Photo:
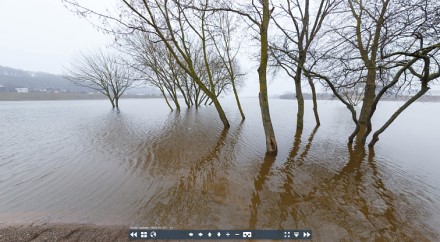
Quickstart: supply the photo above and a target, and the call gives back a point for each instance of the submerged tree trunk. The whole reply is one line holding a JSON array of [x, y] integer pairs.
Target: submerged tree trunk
[[299, 94], [196, 98], [220, 111], [271, 144], [396, 78], [238, 101], [356, 122], [117, 101], [376, 134], [213, 97], [111, 100], [369, 95], [176, 102], [315, 102], [347, 104], [185, 98], [206, 102], [107, 94], [166, 99]]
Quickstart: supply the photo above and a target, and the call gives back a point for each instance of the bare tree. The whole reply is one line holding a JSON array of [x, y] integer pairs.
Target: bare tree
[[263, 23], [258, 16], [369, 22], [328, 81], [425, 74], [389, 49], [159, 68], [169, 22], [103, 73], [299, 26], [155, 65], [222, 33], [409, 51]]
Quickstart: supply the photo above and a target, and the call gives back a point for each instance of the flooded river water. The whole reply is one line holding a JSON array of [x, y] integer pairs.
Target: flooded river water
[[81, 162]]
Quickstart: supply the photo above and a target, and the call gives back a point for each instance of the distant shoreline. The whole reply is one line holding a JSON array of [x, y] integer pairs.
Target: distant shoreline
[[36, 96], [426, 98]]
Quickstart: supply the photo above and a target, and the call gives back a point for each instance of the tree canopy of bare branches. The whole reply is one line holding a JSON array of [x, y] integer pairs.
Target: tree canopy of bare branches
[[102, 72], [360, 50]]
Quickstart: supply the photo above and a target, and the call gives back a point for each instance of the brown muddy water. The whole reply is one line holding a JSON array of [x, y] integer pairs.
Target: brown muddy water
[[81, 162]]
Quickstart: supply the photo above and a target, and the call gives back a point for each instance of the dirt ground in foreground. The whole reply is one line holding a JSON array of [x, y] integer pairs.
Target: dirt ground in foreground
[[63, 232]]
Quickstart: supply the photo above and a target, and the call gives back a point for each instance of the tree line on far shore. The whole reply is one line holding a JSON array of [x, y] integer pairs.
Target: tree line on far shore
[[361, 51]]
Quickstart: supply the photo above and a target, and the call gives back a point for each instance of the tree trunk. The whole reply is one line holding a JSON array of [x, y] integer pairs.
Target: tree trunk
[[107, 94], [356, 122], [381, 93], [299, 96], [347, 104], [271, 144], [220, 111], [213, 97], [206, 101], [183, 95], [376, 134], [187, 102], [369, 95], [315, 102], [166, 99], [191, 103], [117, 102], [238, 101], [196, 98], [176, 101], [202, 98], [111, 101]]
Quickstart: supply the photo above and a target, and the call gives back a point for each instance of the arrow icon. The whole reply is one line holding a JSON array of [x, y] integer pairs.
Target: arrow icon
[[219, 234], [134, 234], [200, 234], [209, 234], [191, 234], [306, 234], [296, 234]]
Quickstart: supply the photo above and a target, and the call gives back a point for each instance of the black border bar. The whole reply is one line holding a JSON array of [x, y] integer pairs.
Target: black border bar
[[151, 234]]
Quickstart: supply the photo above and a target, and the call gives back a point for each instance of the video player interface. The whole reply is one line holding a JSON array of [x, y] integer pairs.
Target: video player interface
[[148, 234]]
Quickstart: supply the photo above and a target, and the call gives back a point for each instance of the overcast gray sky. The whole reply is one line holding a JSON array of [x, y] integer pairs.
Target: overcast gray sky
[[44, 36]]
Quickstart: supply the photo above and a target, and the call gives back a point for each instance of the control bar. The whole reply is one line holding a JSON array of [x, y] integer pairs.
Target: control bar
[[145, 234]]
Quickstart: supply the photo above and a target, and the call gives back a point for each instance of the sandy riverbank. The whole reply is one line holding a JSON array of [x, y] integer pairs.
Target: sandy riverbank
[[63, 232]]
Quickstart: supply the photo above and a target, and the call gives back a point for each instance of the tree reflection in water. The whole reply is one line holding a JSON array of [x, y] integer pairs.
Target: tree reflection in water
[[200, 178], [353, 204], [202, 186]]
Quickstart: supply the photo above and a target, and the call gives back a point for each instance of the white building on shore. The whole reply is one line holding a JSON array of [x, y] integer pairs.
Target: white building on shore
[[22, 90]]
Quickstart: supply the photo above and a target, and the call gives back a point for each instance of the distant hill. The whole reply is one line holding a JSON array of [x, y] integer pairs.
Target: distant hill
[[11, 78]]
